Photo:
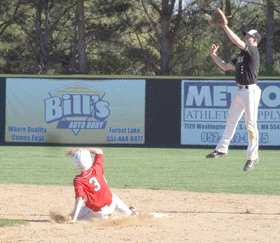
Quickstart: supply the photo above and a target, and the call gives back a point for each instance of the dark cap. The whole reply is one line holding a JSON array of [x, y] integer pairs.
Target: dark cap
[[255, 34]]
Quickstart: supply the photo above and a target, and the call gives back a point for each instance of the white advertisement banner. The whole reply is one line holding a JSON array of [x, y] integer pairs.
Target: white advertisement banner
[[75, 111], [205, 107]]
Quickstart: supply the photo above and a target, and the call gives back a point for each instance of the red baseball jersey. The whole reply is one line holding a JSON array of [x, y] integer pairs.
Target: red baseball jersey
[[92, 186]]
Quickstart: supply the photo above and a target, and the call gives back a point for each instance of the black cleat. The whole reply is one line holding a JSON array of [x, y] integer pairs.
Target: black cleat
[[250, 164], [215, 155]]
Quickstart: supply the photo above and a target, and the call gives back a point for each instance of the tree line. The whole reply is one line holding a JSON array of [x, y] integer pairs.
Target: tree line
[[130, 37]]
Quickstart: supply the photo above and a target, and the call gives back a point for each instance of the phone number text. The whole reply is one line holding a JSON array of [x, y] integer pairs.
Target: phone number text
[[237, 138], [123, 139]]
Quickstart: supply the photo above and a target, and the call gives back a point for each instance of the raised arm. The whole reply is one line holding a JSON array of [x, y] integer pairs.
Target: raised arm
[[71, 151], [223, 65], [233, 37], [95, 150]]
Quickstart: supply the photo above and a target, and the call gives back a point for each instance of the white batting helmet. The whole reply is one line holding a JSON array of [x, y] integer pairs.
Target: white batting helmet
[[82, 160]]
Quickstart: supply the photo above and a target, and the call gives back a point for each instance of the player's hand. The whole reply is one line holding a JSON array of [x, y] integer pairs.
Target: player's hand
[[70, 152], [213, 49], [71, 221]]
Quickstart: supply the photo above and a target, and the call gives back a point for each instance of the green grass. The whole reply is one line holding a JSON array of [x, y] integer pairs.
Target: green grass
[[11, 222], [152, 168]]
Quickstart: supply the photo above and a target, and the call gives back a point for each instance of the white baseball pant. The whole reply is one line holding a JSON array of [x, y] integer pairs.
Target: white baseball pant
[[245, 100], [117, 204]]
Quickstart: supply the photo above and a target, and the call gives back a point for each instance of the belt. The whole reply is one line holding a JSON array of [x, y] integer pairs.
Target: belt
[[243, 87]]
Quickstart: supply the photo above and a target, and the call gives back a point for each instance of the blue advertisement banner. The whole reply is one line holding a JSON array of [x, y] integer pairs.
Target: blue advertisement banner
[[75, 111], [205, 107]]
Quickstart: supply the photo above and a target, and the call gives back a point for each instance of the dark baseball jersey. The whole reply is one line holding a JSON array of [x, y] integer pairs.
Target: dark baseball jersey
[[92, 186], [247, 66]]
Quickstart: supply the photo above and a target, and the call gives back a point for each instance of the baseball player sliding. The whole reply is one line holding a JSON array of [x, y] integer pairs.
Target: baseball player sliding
[[247, 96], [90, 186]]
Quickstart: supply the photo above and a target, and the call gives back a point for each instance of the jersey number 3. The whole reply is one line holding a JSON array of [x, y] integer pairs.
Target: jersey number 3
[[94, 181]]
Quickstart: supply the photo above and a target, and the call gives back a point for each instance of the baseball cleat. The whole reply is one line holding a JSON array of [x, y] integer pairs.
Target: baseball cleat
[[215, 154], [250, 164], [134, 211]]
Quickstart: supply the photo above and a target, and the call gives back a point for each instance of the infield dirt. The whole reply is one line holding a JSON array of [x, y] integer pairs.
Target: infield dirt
[[191, 217]]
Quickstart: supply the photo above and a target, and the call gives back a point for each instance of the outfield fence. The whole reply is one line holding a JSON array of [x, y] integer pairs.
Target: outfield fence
[[124, 111]]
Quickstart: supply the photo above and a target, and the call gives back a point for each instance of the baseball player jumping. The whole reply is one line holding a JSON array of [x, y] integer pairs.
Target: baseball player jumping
[[90, 186], [247, 96]]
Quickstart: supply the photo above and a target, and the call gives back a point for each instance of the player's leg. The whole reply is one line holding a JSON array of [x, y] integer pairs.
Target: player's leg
[[235, 113], [85, 213], [117, 204], [251, 103], [121, 208]]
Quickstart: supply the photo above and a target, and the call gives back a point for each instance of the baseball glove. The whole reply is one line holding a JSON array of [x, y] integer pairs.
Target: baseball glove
[[218, 18]]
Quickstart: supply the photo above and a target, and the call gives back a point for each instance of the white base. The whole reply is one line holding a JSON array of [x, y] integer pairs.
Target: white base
[[158, 215]]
